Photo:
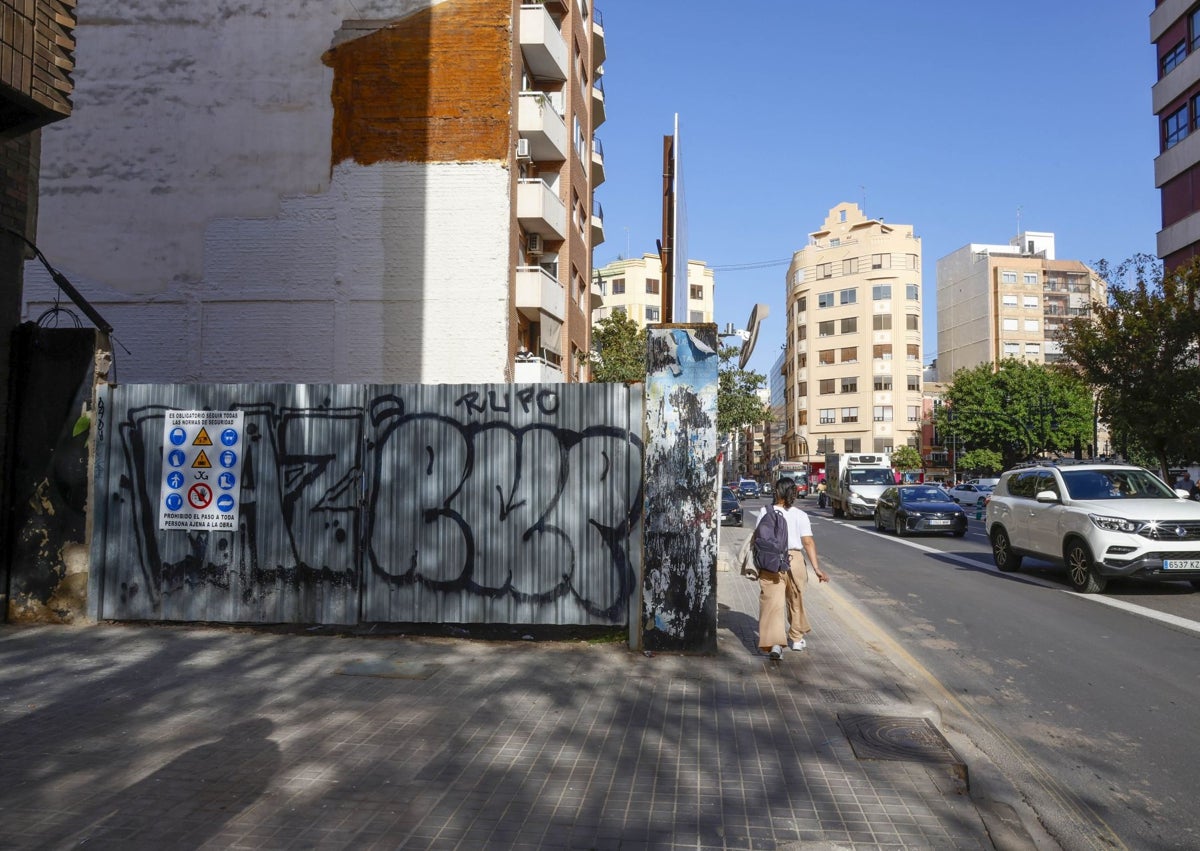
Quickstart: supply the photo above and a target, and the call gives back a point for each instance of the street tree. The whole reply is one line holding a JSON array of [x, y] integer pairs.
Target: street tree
[[1019, 410], [906, 458], [618, 349], [1140, 353], [738, 404], [986, 461]]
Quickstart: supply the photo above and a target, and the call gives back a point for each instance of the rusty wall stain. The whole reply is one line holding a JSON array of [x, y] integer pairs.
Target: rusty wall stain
[[433, 87]]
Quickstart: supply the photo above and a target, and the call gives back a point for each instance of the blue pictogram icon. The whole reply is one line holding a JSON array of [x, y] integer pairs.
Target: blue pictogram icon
[[174, 502], [178, 436], [226, 481], [176, 457], [228, 458], [225, 502], [174, 479], [229, 436]]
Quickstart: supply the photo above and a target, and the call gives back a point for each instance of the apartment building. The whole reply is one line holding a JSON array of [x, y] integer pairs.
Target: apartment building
[[396, 192], [634, 286], [1008, 301], [1175, 33], [853, 371]]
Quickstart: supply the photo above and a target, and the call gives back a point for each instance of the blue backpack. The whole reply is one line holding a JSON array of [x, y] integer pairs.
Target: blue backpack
[[770, 542]]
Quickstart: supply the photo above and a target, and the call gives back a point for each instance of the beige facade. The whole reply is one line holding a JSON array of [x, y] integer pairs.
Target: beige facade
[[854, 319], [635, 287], [1008, 301]]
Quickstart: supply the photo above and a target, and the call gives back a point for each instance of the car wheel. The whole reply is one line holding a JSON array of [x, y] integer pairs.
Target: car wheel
[[1081, 570], [900, 526], [879, 523], [1002, 552], [958, 533]]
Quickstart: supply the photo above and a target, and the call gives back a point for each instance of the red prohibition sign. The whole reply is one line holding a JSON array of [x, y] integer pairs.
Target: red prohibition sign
[[199, 495]]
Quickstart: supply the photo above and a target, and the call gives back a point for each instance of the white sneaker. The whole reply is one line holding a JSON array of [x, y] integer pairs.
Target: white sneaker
[[798, 644], [776, 652]]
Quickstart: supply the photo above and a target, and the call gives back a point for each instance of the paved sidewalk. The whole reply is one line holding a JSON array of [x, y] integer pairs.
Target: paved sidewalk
[[168, 737]]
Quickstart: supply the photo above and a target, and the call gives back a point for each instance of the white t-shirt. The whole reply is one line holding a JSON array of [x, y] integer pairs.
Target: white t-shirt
[[798, 524]]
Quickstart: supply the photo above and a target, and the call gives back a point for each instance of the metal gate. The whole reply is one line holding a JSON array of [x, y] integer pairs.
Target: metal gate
[[503, 503]]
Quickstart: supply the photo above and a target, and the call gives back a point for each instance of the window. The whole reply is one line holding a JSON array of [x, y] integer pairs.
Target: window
[[853, 444], [913, 351], [850, 385], [1008, 277], [914, 413], [802, 304], [914, 382], [695, 316], [618, 286], [1175, 127], [1031, 302], [848, 296], [828, 416], [802, 417], [883, 413], [849, 326], [825, 329], [825, 357], [802, 332], [1194, 28], [802, 388], [1011, 350], [825, 300], [1173, 57], [841, 215], [850, 266], [1033, 349], [879, 292], [883, 444], [914, 262], [696, 292], [883, 382], [912, 322], [849, 415], [881, 261], [802, 360], [882, 352], [825, 445], [912, 292], [1010, 301], [652, 286], [1031, 325], [1009, 325], [835, 242], [620, 308], [798, 277], [828, 385], [651, 314], [882, 322], [850, 354], [824, 270], [1030, 279]]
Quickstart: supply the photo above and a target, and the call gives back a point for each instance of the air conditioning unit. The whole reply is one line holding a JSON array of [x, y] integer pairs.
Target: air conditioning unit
[[535, 243], [522, 149]]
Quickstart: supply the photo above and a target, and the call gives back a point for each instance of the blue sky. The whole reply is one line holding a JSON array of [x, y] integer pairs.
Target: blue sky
[[949, 115]]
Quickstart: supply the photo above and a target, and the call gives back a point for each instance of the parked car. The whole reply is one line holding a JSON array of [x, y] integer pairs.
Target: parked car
[[766, 489], [910, 509], [731, 509], [969, 494], [1101, 520], [989, 482]]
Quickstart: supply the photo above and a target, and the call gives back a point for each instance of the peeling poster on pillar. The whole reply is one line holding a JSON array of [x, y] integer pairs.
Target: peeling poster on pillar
[[202, 470]]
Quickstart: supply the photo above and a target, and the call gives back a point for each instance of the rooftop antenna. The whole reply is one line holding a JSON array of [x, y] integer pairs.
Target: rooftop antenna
[[863, 190], [1018, 222]]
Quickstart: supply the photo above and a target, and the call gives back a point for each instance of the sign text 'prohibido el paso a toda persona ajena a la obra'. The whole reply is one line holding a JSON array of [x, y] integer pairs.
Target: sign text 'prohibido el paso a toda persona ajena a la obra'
[[202, 470]]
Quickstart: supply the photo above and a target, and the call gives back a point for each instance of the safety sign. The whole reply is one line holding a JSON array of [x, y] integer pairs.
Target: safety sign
[[190, 443]]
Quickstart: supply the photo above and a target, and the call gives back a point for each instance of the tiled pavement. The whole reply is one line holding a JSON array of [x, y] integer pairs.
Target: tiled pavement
[[152, 737]]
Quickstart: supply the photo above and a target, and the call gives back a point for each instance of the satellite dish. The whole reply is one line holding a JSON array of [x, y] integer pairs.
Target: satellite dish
[[757, 315]]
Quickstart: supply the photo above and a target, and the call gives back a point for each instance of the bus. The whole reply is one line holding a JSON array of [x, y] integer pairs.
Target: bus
[[797, 471]]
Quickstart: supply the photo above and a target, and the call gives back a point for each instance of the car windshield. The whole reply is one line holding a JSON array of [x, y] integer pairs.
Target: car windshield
[[1115, 484], [877, 476], [929, 494]]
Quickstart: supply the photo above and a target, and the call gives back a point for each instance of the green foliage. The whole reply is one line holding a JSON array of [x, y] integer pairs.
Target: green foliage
[[1020, 410], [985, 462], [618, 349], [1139, 352], [906, 458], [738, 404]]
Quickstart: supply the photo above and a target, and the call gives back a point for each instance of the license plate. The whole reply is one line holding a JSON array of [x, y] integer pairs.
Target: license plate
[[1181, 564], [939, 522]]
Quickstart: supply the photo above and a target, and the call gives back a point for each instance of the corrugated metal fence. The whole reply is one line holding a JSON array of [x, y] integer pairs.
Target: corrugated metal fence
[[504, 503]]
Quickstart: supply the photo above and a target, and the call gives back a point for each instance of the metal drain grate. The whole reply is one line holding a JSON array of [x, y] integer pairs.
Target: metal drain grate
[[853, 696], [902, 740]]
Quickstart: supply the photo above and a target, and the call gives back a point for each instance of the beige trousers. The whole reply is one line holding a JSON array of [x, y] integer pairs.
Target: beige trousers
[[781, 595]]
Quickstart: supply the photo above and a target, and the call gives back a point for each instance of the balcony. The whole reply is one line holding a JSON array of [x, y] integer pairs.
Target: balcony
[[542, 44], [544, 127], [597, 295], [540, 210], [598, 51], [598, 114], [534, 370], [539, 292], [597, 162], [597, 224]]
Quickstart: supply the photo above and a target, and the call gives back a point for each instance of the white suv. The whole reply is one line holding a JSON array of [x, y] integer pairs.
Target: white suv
[[1102, 520]]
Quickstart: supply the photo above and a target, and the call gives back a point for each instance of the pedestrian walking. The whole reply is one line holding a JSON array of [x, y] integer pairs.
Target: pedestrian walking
[[781, 617]]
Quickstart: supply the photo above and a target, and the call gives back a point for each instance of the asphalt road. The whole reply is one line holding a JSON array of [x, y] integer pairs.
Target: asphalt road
[[1088, 703]]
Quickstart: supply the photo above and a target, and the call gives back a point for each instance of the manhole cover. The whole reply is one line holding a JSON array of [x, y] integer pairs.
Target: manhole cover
[[390, 669], [902, 740]]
